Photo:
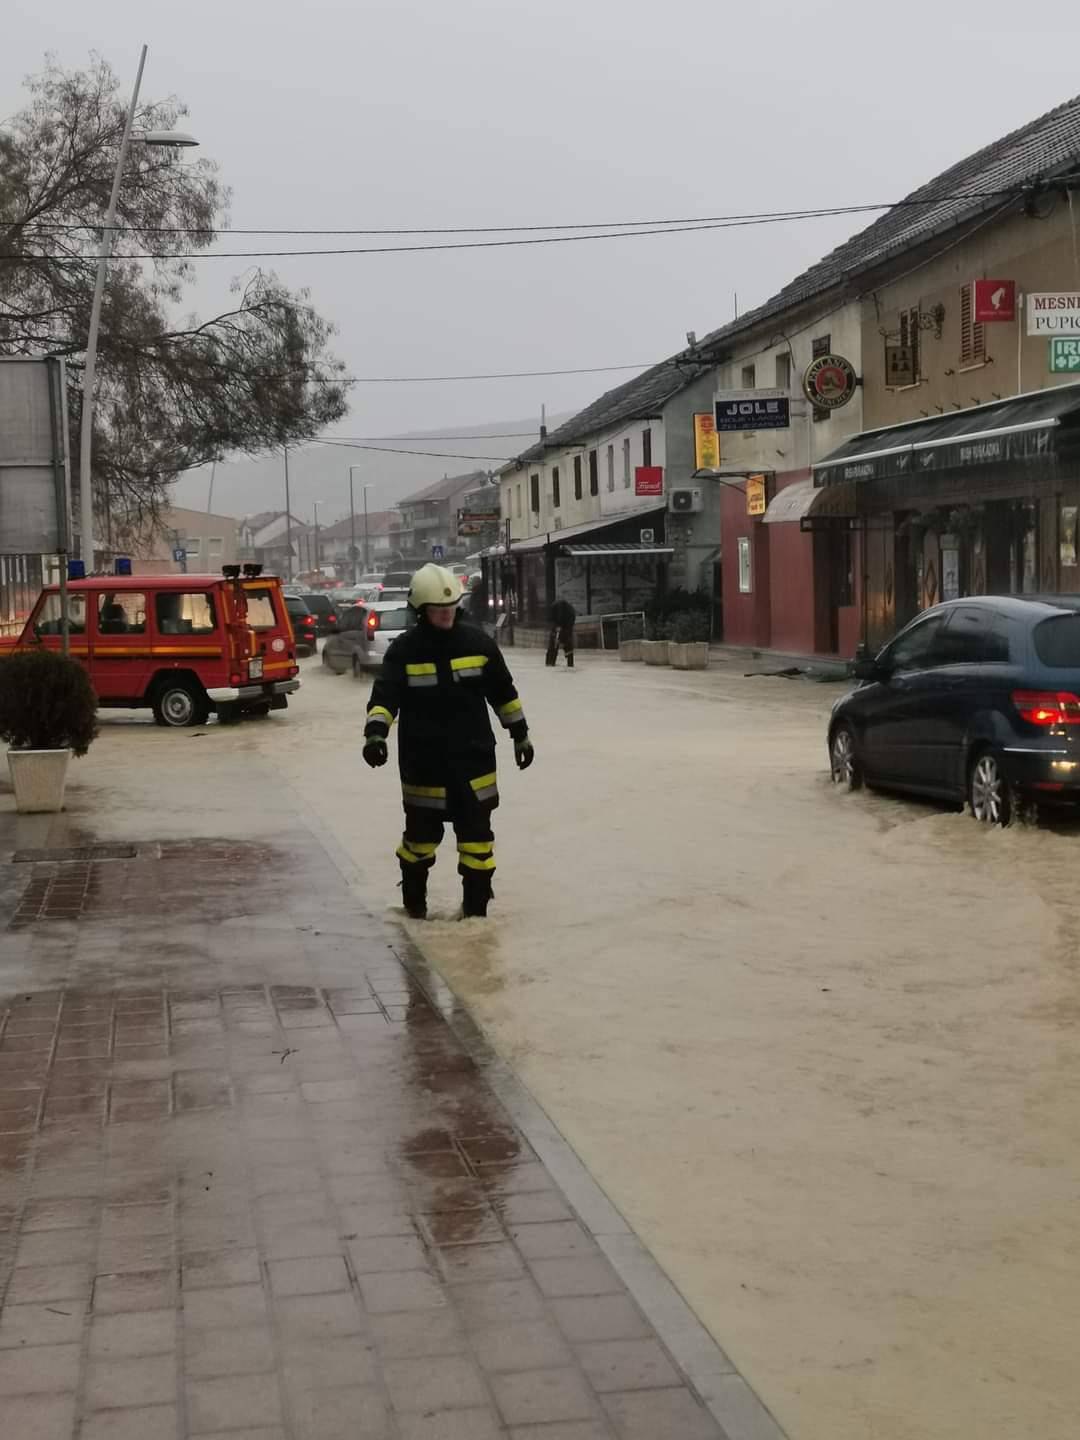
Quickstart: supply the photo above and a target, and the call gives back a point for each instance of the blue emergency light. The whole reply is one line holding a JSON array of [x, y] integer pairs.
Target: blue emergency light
[[76, 570], [123, 565]]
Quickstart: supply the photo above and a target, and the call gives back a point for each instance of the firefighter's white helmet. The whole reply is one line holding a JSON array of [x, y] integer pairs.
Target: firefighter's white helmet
[[434, 585]]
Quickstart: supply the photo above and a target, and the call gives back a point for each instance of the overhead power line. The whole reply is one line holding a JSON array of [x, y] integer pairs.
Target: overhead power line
[[665, 228], [390, 450], [749, 216], [496, 375]]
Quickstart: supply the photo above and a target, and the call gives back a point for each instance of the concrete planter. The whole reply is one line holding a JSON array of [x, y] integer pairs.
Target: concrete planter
[[630, 649], [694, 655], [39, 778], [654, 652]]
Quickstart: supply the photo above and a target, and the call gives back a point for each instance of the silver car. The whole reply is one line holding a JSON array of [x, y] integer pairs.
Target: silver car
[[365, 636]]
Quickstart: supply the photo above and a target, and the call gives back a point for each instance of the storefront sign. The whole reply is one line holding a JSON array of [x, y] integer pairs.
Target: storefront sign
[[649, 480], [899, 365], [961, 454], [752, 410], [830, 381], [1068, 534], [706, 443], [993, 300], [1053, 313], [757, 501], [1064, 356]]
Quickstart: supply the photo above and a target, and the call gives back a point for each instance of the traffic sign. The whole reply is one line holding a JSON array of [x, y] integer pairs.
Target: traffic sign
[[437, 552], [179, 556]]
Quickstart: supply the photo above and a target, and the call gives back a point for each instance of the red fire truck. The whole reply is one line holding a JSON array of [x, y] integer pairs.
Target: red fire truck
[[181, 645]]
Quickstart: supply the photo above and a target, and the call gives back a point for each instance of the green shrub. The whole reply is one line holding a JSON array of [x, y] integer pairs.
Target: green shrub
[[688, 626], [46, 702]]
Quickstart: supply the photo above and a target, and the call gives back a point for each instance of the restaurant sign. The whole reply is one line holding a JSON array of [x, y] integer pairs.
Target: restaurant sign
[[752, 410]]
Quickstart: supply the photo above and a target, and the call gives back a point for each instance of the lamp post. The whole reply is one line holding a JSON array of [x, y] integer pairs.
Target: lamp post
[[168, 138], [318, 556], [352, 521]]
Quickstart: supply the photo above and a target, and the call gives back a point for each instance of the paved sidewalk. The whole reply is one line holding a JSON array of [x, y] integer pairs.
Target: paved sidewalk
[[253, 1184]]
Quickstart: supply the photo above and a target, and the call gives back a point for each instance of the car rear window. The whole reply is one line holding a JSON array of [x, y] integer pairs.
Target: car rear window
[[318, 604], [260, 609], [1057, 642], [394, 619]]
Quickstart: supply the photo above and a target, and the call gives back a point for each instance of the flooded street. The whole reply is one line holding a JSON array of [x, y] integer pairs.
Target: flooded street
[[820, 1049]]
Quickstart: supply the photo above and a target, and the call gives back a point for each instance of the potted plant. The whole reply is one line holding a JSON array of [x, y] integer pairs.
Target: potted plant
[[47, 714], [689, 647], [630, 640]]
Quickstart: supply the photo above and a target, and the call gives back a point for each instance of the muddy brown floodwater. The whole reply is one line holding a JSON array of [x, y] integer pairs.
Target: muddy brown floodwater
[[821, 1050]]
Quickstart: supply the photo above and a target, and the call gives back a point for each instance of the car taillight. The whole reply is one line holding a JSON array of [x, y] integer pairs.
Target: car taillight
[[1047, 707], [331, 619], [372, 622]]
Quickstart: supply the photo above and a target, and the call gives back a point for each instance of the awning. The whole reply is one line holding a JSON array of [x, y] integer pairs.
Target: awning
[[593, 552], [592, 527], [807, 501], [1027, 427]]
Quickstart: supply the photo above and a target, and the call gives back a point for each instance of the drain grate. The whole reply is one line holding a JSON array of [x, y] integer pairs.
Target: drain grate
[[76, 853]]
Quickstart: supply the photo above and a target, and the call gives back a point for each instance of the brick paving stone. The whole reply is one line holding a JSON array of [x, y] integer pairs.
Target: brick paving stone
[[348, 1239]]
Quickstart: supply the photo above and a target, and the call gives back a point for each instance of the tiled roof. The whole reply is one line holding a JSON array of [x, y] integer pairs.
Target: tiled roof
[[1045, 147], [378, 523], [447, 487]]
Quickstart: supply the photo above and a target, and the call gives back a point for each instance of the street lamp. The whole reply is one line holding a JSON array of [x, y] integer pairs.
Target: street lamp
[[175, 139], [352, 522]]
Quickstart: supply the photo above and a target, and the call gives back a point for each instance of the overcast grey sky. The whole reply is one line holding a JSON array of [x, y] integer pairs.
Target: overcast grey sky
[[497, 112]]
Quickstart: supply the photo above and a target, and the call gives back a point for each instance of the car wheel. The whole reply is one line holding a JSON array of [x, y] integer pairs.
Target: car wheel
[[989, 792], [179, 704], [844, 759]]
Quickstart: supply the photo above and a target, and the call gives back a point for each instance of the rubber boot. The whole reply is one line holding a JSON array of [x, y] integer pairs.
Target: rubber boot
[[475, 893], [569, 659], [549, 658], [414, 891]]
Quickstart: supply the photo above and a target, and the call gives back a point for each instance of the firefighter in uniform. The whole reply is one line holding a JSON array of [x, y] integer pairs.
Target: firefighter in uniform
[[438, 679]]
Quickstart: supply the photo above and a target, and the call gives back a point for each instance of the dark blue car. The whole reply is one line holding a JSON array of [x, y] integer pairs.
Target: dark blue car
[[977, 700]]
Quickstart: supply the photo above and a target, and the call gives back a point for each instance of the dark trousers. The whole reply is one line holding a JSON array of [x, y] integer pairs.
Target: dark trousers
[[561, 635], [426, 817]]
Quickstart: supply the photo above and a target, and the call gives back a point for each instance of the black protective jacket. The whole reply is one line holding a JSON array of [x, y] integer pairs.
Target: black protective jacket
[[438, 685]]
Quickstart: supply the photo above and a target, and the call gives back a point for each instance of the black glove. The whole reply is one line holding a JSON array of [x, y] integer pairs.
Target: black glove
[[524, 753], [375, 752]]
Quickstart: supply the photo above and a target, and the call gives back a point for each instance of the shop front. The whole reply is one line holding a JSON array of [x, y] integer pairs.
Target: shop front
[[982, 501]]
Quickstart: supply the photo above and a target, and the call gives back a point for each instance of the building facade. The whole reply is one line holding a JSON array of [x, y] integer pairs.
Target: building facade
[[428, 521]]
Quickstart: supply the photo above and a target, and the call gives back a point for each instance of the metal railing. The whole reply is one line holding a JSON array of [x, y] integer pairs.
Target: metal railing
[[621, 625]]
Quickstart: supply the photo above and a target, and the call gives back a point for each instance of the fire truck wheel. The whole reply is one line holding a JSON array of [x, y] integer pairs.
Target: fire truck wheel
[[180, 703]]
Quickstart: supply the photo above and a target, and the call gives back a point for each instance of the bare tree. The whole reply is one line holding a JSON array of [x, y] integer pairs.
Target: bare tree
[[172, 392]]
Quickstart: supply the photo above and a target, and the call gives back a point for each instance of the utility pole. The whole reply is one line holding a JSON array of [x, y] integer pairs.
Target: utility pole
[[366, 488], [352, 526], [288, 516]]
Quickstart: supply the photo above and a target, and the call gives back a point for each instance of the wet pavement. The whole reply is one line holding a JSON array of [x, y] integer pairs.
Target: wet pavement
[[254, 1180]]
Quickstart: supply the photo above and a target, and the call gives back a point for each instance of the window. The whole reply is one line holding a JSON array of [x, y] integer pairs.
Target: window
[[1057, 642], [594, 473], [611, 467], [749, 377], [745, 574], [121, 612], [215, 549], [646, 447], [193, 547], [517, 501], [626, 463], [917, 648], [260, 608], [185, 614], [909, 337], [577, 477], [818, 347], [47, 619], [534, 494], [783, 372], [972, 336], [556, 489], [973, 636]]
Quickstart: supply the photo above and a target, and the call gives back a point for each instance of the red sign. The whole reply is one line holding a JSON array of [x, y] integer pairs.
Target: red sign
[[994, 300], [649, 480]]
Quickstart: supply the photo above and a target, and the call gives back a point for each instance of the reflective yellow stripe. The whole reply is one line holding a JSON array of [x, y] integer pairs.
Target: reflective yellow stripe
[[431, 792], [415, 853], [419, 669], [468, 662], [510, 708], [482, 781], [475, 847], [471, 863], [421, 847], [379, 712]]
